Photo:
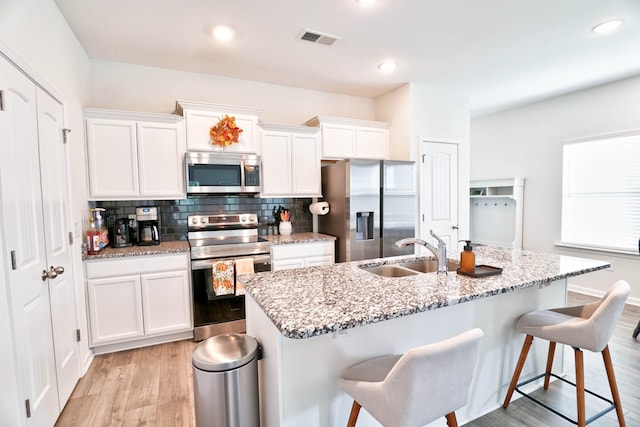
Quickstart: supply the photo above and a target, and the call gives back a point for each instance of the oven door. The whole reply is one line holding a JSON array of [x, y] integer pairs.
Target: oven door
[[213, 315]]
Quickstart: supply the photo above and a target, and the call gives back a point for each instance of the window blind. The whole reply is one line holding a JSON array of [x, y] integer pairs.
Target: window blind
[[601, 192]]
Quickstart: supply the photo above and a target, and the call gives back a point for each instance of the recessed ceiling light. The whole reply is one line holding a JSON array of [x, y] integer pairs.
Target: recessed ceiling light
[[388, 66], [222, 33], [607, 26], [367, 2]]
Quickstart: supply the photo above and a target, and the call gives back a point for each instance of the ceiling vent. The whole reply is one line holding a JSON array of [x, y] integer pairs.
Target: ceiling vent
[[318, 37]]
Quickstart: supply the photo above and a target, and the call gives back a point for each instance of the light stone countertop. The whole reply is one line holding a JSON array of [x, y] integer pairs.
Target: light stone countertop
[[183, 246], [312, 301], [163, 248], [299, 238]]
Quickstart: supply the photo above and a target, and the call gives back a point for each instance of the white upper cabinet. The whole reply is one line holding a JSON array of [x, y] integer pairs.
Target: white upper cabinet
[[201, 116], [351, 138], [134, 155], [290, 161]]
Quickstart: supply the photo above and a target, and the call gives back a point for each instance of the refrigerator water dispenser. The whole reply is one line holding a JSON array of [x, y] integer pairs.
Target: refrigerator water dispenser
[[364, 225]]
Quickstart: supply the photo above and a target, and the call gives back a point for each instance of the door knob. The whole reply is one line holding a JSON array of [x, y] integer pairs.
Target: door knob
[[52, 273], [455, 227]]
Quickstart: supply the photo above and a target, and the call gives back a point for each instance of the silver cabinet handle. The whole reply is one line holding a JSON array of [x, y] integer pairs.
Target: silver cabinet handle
[[52, 273]]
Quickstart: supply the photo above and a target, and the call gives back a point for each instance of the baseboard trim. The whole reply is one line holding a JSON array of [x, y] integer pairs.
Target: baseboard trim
[[598, 294], [128, 345]]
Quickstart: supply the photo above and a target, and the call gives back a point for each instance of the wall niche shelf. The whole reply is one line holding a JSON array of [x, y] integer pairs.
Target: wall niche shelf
[[496, 211]]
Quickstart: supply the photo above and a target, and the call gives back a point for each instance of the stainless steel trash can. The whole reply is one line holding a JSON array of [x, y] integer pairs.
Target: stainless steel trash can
[[225, 381]]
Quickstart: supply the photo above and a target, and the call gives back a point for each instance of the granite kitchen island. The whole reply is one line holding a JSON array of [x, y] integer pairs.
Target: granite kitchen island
[[314, 322]]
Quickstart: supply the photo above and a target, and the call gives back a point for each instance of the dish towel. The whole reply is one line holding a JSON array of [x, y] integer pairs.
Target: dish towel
[[243, 266], [222, 279]]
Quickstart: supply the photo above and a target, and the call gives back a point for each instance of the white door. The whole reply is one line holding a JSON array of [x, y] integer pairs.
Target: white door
[[439, 193], [58, 248], [22, 219]]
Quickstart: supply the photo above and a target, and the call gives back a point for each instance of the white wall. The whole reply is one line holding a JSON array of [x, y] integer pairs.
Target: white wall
[[138, 88], [395, 108], [35, 32], [443, 116], [527, 142]]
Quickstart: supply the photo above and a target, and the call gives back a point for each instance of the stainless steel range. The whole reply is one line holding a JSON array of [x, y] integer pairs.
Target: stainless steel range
[[216, 238]]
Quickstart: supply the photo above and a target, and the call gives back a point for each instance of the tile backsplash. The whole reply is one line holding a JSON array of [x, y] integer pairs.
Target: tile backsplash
[[174, 213]]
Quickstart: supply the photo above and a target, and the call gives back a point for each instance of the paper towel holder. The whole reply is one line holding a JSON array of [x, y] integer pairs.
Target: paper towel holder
[[319, 208]]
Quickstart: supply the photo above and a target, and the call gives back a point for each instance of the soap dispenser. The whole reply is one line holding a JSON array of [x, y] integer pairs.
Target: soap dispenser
[[467, 258]]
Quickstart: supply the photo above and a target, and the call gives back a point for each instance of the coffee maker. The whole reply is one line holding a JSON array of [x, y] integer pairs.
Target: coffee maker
[[148, 225], [120, 233]]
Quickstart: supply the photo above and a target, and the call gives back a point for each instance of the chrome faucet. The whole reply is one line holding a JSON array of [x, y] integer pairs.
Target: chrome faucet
[[440, 252]]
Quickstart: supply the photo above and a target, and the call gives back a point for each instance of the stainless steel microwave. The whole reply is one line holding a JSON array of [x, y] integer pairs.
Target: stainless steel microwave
[[222, 173]]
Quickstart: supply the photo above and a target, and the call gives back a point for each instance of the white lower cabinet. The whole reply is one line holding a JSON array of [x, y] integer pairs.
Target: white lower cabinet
[[138, 298], [300, 255]]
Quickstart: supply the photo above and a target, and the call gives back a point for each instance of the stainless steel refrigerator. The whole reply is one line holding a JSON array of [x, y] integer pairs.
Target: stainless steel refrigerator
[[372, 205]]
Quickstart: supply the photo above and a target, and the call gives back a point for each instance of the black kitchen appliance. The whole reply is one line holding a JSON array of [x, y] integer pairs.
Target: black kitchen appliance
[[119, 233], [215, 238], [148, 225]]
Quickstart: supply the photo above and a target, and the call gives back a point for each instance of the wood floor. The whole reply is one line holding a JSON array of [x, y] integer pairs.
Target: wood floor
[[153, 386]]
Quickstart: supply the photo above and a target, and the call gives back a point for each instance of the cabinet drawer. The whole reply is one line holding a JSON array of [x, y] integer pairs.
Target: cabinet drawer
[[136, 265], [302, 250]]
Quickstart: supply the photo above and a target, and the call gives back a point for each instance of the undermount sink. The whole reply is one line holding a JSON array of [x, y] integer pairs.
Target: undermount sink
[[389, 271], [409, 268], [428, 265]]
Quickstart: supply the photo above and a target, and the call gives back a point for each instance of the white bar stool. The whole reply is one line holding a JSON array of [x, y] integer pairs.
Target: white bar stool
[[587, 327], [416, 388]]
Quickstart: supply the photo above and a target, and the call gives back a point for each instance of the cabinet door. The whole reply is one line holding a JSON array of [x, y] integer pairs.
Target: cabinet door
[[287, 264], [338, 141], [319, 260], [166, 301], [160, 160], [305, 165], [112, 158], [372, 143], [276, 163], [115, 309], [199, 123]]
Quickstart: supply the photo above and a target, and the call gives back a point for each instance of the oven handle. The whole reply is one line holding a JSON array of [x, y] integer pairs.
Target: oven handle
[[204, 264]]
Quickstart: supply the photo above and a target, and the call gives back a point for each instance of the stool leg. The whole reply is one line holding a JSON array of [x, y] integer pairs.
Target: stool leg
[[516, 373], [552, 350], [451, 420], [606, 356], [580, 386], [353, 416]]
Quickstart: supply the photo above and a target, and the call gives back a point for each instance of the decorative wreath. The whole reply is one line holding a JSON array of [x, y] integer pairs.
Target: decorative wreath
[[226, 132]]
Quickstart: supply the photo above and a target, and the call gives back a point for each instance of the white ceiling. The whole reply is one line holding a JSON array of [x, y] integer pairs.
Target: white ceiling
[[499, 53]]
